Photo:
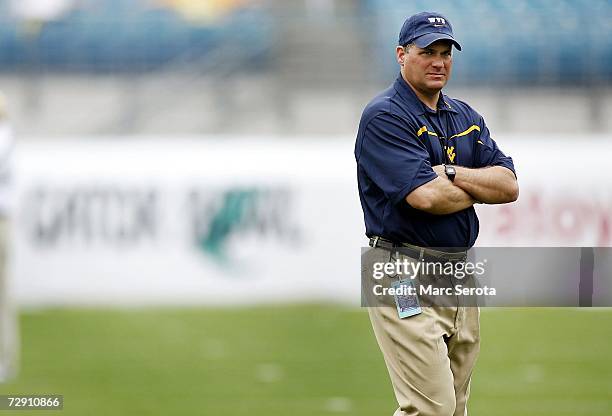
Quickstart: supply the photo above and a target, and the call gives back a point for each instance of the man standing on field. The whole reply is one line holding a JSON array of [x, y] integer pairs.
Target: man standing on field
[[423, 160]]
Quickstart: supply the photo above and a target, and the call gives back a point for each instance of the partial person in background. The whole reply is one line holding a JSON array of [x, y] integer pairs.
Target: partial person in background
[[8, 316]]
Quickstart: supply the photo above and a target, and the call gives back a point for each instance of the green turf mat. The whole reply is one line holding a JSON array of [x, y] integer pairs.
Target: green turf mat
[[297, 360]]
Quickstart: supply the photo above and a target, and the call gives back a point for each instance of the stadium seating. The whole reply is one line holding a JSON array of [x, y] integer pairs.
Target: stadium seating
[[514, 42], [128, 35], [524, 42]]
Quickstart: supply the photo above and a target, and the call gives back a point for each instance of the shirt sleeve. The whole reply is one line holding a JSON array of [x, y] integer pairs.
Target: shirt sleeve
[[393, 157], [487, 153]]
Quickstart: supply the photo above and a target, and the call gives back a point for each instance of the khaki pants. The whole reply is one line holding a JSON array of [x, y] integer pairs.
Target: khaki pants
[[429, 356], [8, 316]]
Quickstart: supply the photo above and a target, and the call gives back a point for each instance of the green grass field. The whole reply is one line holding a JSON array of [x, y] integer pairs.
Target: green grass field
[[297, 360]]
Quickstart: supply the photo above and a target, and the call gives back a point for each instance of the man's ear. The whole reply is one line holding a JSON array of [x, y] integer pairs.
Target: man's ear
[[400, 53]]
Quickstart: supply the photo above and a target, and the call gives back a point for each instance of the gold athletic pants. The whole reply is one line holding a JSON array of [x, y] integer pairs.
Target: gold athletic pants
[[429, 356]]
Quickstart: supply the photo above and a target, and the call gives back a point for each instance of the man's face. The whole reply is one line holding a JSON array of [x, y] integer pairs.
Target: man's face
[[427, 69]]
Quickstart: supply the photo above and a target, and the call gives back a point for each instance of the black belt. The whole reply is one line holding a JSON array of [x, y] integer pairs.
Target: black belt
[[417, 252]]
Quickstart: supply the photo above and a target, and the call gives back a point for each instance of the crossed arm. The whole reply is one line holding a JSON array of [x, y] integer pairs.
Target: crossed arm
[[490, 185]]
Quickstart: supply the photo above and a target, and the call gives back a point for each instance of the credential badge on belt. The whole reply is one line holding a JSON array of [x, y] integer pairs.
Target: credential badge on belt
[[406, 299]]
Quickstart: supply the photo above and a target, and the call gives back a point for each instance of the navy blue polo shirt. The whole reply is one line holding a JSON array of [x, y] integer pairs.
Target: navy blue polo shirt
[[397, 145]]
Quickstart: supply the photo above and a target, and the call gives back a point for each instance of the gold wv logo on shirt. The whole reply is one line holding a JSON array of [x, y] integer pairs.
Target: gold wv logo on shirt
[[450, 152]]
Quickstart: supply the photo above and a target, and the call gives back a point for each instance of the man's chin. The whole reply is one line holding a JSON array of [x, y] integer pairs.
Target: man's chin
[[436, 85]]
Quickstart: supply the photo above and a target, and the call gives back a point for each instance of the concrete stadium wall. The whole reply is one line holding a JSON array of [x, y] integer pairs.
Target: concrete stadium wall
[[56, 106]]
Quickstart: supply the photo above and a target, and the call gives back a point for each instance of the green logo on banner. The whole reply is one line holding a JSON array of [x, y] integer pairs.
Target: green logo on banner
[[240, 212]]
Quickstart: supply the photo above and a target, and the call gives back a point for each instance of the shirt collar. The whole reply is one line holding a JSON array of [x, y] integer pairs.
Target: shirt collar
[[416, 105]]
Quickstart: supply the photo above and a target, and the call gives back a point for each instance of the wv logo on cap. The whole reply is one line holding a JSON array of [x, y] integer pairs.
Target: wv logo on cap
[[437, 21]]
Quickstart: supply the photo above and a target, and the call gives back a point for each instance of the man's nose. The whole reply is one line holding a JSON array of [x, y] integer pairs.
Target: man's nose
[[438, 63]]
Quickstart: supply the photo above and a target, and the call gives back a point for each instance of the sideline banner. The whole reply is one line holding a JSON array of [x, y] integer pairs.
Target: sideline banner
[[127, 221]]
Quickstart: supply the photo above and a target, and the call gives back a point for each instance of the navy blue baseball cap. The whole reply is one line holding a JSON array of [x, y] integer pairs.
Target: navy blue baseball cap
[[425, 28]]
